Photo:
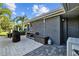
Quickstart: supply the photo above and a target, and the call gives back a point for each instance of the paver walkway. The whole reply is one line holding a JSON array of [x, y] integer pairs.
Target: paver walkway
[[8, 48], [49, 50]]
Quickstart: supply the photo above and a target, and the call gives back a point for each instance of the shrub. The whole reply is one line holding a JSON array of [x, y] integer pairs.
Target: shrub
[[22, 32], [0, 29]]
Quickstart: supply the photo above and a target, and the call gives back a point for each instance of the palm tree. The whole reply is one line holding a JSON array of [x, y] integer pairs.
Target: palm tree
[[22, 19]]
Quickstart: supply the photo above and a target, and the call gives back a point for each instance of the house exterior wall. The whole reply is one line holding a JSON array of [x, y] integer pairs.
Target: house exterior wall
[[38, 26], [53, 28], [71, 26], [50, 27], [71, 23]]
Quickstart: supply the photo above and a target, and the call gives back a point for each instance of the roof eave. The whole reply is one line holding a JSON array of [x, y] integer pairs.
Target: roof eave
[[52, 14]]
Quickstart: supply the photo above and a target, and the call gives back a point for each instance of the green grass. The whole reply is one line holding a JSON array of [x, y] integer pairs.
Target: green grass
[[3, 33]]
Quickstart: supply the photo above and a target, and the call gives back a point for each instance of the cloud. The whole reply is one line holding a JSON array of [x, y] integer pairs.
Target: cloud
[[35, 8], [11, 6], [14, 13], [39, 9]]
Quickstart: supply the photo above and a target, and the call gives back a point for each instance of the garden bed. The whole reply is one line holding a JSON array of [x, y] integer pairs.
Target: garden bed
[[22, 33]]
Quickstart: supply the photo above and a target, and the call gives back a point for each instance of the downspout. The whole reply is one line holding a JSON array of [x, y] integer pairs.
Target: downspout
[[67, 21]]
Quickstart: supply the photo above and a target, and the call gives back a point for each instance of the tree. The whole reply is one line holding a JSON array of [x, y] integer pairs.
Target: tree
[[4, 12], [1, 4], [6, 25], [22, 19], [5, 15], [18, 27], [0, 29]]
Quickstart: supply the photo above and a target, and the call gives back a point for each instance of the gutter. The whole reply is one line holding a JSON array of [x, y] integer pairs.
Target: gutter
[[48, 15]]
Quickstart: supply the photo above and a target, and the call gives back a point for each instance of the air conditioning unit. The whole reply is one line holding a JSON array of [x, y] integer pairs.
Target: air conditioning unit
[[73, 46]]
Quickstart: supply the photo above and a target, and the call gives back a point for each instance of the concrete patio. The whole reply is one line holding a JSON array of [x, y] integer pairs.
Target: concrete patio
[[29, 47], [8, 48]]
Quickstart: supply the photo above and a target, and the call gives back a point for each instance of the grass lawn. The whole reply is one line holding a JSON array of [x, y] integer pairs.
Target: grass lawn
[[3, 33]]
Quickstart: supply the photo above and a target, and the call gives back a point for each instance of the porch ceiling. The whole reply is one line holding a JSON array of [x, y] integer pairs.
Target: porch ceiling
[[72, 13]]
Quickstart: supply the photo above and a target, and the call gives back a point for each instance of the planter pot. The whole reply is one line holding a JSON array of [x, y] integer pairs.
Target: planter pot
[[15, 36]]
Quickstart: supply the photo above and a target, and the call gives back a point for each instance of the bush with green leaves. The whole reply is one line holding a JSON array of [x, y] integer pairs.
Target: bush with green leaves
[[6, 25], [0, 29]]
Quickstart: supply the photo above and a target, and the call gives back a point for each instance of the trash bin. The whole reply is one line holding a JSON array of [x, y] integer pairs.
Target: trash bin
[[15, 36]]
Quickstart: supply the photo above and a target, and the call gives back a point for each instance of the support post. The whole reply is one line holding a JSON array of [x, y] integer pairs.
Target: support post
[[44, 22]]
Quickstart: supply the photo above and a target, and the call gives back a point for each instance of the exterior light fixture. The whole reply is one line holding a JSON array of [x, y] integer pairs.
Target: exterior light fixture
[[63, 20]]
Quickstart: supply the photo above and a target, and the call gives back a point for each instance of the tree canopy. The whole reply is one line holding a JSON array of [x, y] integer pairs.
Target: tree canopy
[[22, 19], [5, 15], [6, 24], [5, 11]]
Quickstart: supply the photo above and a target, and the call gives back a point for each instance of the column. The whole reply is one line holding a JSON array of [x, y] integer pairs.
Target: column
[[44, 22]]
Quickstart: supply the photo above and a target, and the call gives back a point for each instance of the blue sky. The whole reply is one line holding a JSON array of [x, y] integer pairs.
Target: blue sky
[[31, 9]]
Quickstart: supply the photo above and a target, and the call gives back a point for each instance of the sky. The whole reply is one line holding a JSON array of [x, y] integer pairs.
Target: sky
[[31, 10]]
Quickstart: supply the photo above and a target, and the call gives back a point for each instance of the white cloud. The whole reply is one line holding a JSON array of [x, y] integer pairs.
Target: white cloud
[[44, 10], [39, 9], [11, 6], [35, 8], [14, 13]]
